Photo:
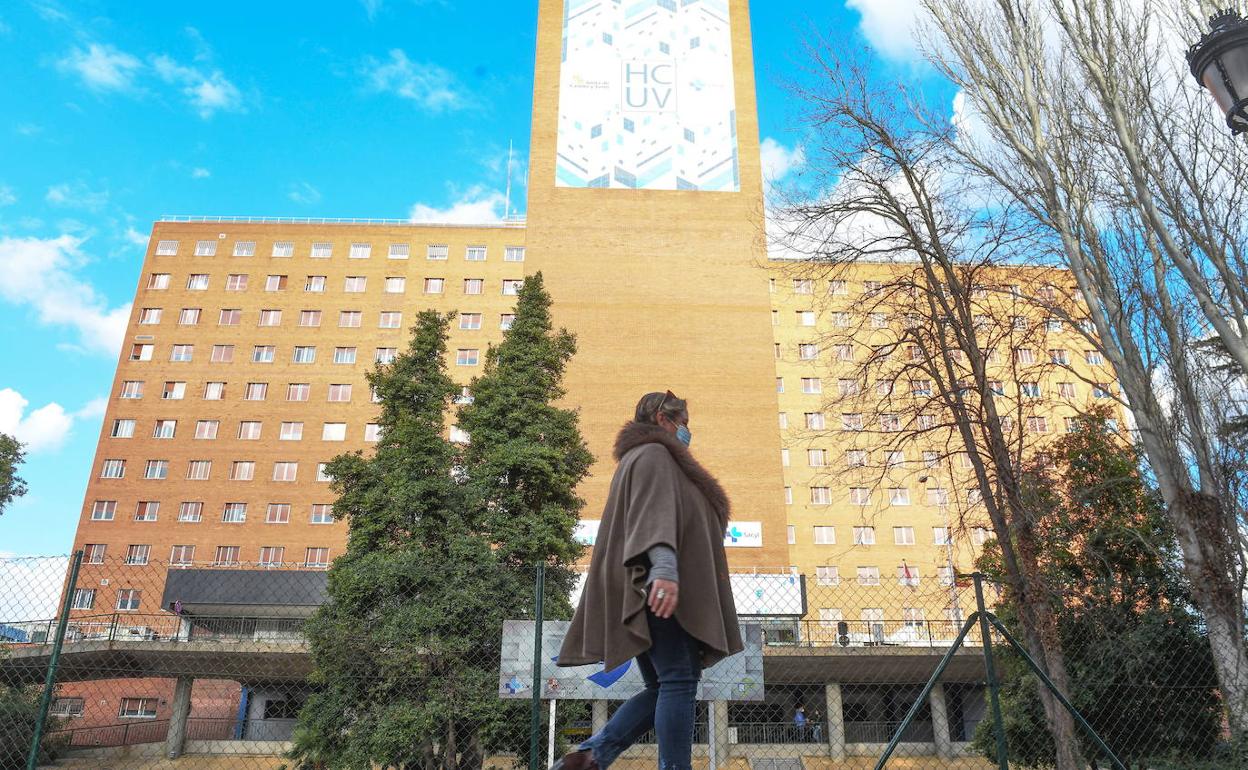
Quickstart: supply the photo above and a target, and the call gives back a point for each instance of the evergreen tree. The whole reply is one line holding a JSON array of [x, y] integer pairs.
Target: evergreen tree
[[1140, 669]]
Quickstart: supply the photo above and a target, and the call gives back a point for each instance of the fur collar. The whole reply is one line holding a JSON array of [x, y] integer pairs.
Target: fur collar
[[635, 434]]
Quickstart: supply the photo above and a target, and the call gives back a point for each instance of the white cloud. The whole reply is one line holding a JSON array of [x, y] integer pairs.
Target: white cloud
[[371, 7], [430, 86], [7, 196], [135, 237], [302, 192], [200, 173], [41, 430], [76, 195], [102, 67], [478, 205], [889, 25], [779, 161], [42, 273], [28, 129], [208, 92]]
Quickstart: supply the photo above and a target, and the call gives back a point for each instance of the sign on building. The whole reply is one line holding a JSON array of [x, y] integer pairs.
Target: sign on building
[[646, 96]]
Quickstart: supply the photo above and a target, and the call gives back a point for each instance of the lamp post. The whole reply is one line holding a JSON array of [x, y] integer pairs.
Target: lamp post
[[1219, 62]]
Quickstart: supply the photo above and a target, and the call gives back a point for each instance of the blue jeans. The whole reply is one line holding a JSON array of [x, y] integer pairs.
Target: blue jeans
[[671, 669]]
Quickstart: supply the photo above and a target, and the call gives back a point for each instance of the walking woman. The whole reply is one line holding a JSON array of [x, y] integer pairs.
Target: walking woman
[[657, 588]]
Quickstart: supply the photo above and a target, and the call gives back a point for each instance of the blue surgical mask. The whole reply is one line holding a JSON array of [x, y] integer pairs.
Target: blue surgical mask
[[683, 435]]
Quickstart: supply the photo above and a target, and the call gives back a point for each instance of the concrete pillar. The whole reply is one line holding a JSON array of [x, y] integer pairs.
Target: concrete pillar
[[718, 745], [940, 722], [175, 739], [835, 712], [599, 716]]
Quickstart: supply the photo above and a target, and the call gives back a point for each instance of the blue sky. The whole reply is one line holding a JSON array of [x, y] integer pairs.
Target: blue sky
[[113, 114]]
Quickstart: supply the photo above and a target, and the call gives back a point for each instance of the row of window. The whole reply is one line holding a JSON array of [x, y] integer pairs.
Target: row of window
[[844, 320], [865, 535], [248, 430], [840, 288], [846, 353], [873, 620], [215, 390], [315, 284], [139, 555], [325, 250], [192, 512], [190, 316], [201, 470], [300, 354], [854, 422], [848, 388], [907, 575], [897, 496], [130, 708]]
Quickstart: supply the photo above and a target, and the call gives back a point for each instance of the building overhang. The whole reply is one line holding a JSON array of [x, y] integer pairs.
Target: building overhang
[[245, 593]]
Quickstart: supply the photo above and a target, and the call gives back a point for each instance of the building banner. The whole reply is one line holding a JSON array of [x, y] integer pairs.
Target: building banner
[[646, 96]]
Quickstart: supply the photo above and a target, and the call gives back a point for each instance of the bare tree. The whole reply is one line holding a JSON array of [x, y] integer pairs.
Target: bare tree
[[1087, 123], [944, 355]]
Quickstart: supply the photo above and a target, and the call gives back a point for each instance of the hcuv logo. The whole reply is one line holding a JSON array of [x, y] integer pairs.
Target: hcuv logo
[[649, 86], [735, 534]]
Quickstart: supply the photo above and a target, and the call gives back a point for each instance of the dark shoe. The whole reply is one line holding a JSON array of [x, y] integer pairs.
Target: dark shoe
[[577, 760]]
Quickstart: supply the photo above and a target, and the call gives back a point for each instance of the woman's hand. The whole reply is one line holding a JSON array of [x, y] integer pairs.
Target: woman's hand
[[664, 596]]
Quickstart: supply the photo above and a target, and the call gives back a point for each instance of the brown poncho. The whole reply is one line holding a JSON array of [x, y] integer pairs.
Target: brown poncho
[[659, 495]]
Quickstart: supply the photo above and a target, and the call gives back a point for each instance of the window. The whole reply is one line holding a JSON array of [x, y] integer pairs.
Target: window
[[270, 318], [807, 351], [271, 555], [322, 513], [1038, 424], [234, 513], [803, 286], [475, 254], [1059, 356], [937, 496], [340, 392], [791, 534], [1025, 356], [890, 423], [236, 282], [136, 708], [931, 458], [851, 421], [322, 472], [903, 535], [221, 354], [141, 352], [275, 283], [123, 429], [128, 600], [868, 576], [350, 319], [816, 458], [1100, 390], [104, 510], [826, 575], [434, 285], [811, 385], [227, 556], [249, 430], [290, 431], [784, 457], [997, 387], [779, 384], [256, 391], [242, 470], [946, 577], [385, 355], [137, 555], [285, 471], [396, 285], [229, 317], [315, 284], [390, 319], [199, 470], [845, 352], [158, 281], [298, 391], [245, 249], [279, 513], [879, 320], [284, 249], [941, 536], [836, 288], [805, 318], [263, 354], [316, 557], [344, 355], [784, 421], [842, 320], [147, 510], [1029, 389], [925, 422], [354, 284], [921, 387], [437, 252], [303, 354], [156, 469], [512, 287], [513, 254], [907, 575], [149, 316], [815, 421], [113, 469], [825, 535], [848, 388], [131, 389], [310, 318], [181, 556], [467, 357], [205, 248], [189, 316], [360, 251], [197, 282], [322, 250], [191, 512], [399, 251], [334, 431], [864, 535], [820, 496], [506, 320], [979, 535], [473, 285], [894, 458], [871, 288], [214, 391], [182, 353], [166, 248], [788, 495], [372, 432], [1066, 389], [84, 598], [93, 553], [470, 321], [856, 458], [1072, 424]]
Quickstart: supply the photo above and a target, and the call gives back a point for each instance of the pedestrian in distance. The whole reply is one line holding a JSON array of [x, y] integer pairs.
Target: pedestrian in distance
[[661, 538]]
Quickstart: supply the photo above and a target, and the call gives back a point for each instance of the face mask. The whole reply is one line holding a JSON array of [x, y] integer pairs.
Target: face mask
[[683, 435]]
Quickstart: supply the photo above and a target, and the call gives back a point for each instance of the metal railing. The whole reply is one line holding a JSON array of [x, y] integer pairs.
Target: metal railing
[[883, 732], [937, 634], [166, 627], [140, 730]]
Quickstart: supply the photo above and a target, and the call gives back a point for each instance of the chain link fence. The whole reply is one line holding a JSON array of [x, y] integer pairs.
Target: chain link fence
[[140, 664]]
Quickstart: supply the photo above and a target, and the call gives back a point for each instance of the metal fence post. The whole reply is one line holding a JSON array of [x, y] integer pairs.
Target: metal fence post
[[990, 668], [49, 682], [535, 716]]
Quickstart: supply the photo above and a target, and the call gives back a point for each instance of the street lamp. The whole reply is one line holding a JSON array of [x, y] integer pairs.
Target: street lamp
[[1219, 62]]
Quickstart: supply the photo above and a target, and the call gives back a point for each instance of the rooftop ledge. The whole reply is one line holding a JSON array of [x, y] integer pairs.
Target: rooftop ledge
[[512, 223]]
